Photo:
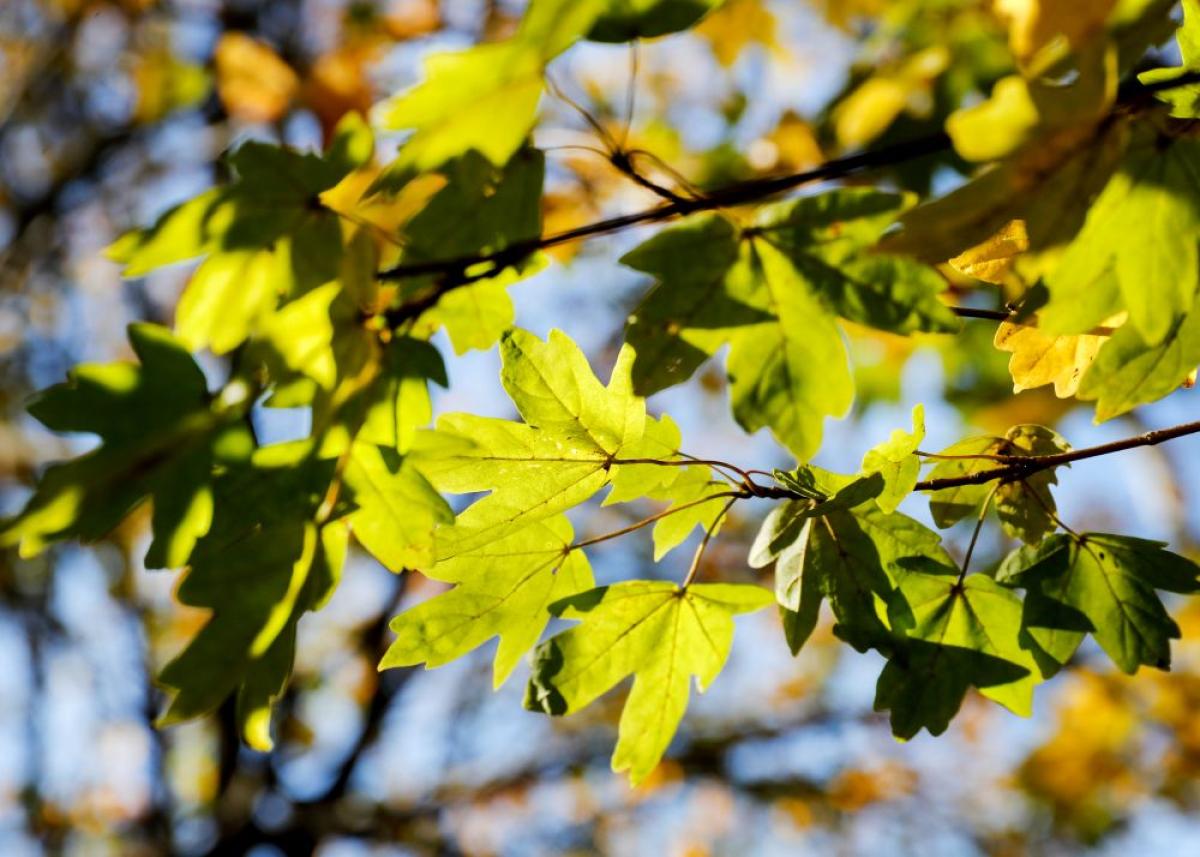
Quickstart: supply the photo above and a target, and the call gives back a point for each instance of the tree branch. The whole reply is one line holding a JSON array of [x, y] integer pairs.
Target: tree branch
[[458, 271], [1037, 463]]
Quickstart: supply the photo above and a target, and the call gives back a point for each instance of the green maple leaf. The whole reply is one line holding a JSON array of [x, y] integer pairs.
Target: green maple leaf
[[773, 292], [843, 548], [397, 510], [484, 98], [502, 589], [958, 634], [1104, 584], [267, 237], [396, 404], [1184, 100], [574, 429], [895, 460], [655, 631], [318, 337], [161, 436], [482, 209], [1023, 515], [261, 566], [1145, 227]]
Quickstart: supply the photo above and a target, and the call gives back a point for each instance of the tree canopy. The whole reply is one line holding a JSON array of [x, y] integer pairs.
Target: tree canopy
[[1013, 181]]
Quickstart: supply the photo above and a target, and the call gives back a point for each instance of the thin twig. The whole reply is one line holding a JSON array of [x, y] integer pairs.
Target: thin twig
[[975, 456], [731, 195], [685, 461], [630, 93]]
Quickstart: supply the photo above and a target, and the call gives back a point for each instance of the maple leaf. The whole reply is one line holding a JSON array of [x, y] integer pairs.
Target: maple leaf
[[959, 634], [484, 98], [161, 436], [840, 545], [266, 237], [260, 567], [773, 292], [895, 459], [991, 260], [1143, 229], [1025, 507], [661, 634], [1103, 584], [503, 588], [1184, 100], [1040, 358]]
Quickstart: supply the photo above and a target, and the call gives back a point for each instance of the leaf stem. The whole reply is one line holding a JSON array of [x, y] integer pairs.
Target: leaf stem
[[1053, 515], [694, 568], [685, 461], [983, 510], [657, 516]]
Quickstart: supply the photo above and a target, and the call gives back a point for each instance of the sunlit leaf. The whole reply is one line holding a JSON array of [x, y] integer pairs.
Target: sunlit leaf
[[503, 588], [659, 633]]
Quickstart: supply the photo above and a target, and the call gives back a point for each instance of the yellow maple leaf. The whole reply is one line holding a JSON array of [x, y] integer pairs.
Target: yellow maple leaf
[[869, 110], [254, 83], [1040, 358], [1034, 24], [735, 26], [991, 260]]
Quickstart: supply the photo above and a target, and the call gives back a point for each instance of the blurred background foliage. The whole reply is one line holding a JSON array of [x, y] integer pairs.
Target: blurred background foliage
[[113, 110]]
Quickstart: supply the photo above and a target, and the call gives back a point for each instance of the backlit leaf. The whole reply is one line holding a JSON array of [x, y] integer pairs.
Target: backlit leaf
[[503, 588], [655, 631]]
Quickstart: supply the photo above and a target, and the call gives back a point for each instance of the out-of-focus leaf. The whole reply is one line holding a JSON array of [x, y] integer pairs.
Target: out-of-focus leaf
[[868, 111], [261, 566], [484, 98], [990, 260], [629, 20], [161, 435], [1145, 227], [254, 83], [735, 26], [1184, 100]]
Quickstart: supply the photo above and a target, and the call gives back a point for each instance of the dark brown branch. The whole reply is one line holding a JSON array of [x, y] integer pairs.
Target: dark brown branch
[[458, 272], [1020, 467], [737, 194], [1037, 463]]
